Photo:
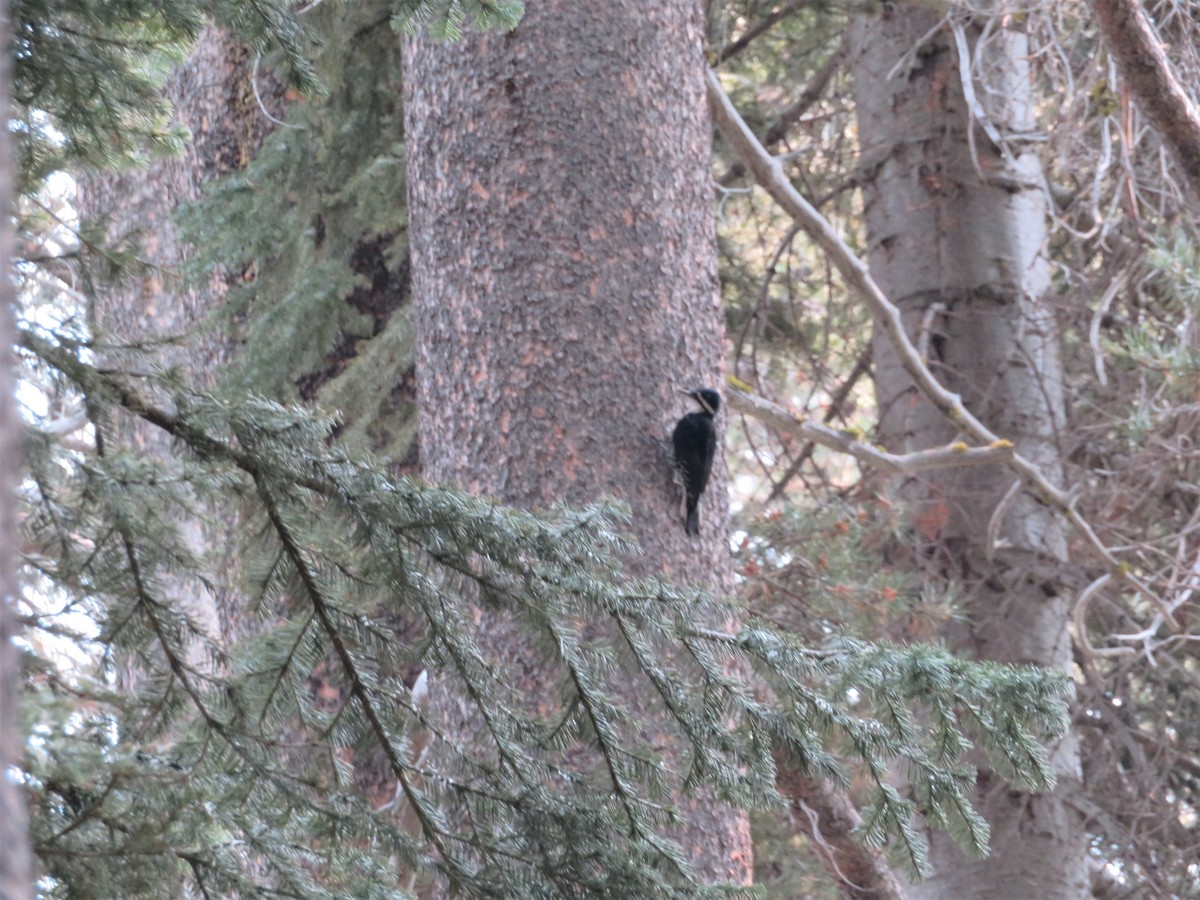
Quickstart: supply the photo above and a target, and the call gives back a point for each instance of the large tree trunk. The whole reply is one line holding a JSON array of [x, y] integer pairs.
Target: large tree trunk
[[565, 281], [957, 242]]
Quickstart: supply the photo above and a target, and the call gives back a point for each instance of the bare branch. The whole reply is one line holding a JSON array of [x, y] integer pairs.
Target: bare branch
[[811, 93], [769, 174], [844, 441], [861, 366], [858, 870], [1141, 60], [764, 24]]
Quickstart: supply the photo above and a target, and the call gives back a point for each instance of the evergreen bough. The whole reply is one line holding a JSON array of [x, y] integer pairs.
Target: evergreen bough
[[221, 765]]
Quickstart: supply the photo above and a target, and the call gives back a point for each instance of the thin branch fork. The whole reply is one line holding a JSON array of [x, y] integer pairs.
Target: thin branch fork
[[770, 176], [733, 49], [843, 441], [836, 402], [860, 871]]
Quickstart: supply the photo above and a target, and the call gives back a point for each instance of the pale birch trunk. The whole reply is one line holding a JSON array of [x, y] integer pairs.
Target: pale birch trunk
[[957, 239]]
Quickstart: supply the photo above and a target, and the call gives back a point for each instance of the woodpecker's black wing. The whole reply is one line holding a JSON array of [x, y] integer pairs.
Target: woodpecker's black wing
[[695, 442]]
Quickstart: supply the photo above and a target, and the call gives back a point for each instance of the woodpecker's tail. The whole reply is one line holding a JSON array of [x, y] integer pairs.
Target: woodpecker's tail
[[693, 515]]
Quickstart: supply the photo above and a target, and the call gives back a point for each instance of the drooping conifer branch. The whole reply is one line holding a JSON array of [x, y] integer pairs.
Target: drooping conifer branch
[[347, 539]]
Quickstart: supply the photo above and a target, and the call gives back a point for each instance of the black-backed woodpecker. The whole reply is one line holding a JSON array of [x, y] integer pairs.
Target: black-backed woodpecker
[[695, 441]]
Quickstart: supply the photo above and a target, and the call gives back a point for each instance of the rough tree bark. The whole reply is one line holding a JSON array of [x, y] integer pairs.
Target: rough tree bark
[[956, 234], [565, 281], [16, 865]]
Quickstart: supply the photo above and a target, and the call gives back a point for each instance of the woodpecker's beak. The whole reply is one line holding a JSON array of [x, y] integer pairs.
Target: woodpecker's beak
[[698, 397]]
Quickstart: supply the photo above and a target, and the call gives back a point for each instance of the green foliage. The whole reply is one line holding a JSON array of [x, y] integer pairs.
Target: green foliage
[[221, 765], [1166, 344], [810, 568], [447, 19], [315, 227], [86, 74]]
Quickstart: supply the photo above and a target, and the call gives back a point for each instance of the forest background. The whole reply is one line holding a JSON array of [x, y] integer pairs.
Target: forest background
[[351, 297]]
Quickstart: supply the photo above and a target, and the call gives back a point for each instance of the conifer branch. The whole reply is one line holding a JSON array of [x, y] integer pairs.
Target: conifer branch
[[489, 816], [367, 702]]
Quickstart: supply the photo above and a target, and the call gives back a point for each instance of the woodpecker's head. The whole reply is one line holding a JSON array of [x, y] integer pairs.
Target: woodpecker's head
[[709, 400]]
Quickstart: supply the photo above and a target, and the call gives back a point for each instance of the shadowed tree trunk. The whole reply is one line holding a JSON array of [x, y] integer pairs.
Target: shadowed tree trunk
[[956, 241], [213, 98], [16, 872], [565, 283]]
